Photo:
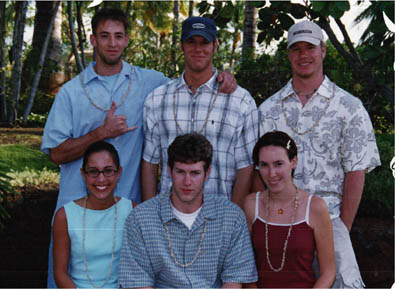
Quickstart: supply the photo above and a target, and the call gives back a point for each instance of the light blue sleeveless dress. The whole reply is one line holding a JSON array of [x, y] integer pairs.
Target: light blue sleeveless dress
[[98, 243]]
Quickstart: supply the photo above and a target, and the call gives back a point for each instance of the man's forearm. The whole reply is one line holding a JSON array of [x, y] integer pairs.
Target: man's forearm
[[352, 193], [72, 149], [149, 180], [242, 185]]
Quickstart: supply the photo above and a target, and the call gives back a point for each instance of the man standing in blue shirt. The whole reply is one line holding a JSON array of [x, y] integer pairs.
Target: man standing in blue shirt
[[104, 102], [187, 238]]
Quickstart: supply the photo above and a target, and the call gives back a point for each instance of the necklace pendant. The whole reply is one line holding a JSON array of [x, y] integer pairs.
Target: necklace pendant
[[280, 211]]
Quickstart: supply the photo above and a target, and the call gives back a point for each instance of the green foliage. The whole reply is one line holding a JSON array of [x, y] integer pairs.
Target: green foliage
[[5, 187], [33, 178], [266, 74], [35, 120], [21, 156], [378, 197], [25, 167], [325, 8]]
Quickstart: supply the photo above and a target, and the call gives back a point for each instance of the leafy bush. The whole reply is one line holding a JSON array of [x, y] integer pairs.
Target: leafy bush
[[5, 187], [378, 197], [35, 120], [33, 178]]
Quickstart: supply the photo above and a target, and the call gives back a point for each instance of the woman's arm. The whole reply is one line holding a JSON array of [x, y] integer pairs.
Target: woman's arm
[[61, 250], [323, 235], [249, 212]]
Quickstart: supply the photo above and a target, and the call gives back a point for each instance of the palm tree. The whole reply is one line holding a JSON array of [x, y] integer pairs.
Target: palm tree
[[16, 55], [249, 31]]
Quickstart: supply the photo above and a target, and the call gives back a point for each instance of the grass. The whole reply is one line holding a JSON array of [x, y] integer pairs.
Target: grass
[[20, 157], [23, 161]]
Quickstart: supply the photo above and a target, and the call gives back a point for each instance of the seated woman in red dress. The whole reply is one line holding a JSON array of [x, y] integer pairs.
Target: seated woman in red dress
[[288, 226]]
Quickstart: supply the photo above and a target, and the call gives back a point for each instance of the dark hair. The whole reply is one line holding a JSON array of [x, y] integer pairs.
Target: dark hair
[[275, 138], [190, 148], [109, 14], [101, 146]]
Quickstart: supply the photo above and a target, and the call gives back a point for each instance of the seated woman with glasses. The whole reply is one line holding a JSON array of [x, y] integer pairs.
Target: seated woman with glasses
[[87, 232]]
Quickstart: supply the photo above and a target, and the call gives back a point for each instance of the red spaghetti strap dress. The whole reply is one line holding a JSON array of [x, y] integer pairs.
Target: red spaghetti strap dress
[[297, 271]]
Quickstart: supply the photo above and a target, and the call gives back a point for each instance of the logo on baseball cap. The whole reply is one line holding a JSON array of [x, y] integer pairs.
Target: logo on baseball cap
[[202, 26], [306, 31]]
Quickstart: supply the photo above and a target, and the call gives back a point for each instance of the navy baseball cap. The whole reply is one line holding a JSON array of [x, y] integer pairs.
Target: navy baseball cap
[[202, 26]]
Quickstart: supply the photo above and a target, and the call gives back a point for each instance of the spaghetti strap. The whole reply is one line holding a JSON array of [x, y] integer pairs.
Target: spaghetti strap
[[256, 205], [307, 217]]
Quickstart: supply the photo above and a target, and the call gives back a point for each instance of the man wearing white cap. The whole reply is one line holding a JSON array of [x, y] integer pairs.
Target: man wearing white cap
[[335, 139], [192, 103]]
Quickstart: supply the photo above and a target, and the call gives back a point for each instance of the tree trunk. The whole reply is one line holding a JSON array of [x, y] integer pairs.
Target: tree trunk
[[19, 29], [190, 10], [73, 43], [174, 38], [3, 103], [52, 76], [128, 8], [40, 65], [81, 36], [249, 32]]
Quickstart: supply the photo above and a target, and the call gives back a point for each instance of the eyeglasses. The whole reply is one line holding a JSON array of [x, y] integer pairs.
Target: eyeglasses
[[94, 173]]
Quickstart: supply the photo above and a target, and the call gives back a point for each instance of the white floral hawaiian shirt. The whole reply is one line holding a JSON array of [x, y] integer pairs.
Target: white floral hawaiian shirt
[[333, 133]]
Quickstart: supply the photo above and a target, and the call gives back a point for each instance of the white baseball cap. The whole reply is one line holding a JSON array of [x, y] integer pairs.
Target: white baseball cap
[[306, 31]]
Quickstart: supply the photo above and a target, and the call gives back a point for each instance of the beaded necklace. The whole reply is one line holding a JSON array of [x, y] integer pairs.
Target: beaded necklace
[[328, 100], [117, 105], [197, 252], [288, 235], [207, 116], [173, 255], [113, 245]]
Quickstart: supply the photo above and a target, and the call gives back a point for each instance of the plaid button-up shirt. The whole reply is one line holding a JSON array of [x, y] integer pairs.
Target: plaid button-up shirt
[[171, 110], [226, 253]]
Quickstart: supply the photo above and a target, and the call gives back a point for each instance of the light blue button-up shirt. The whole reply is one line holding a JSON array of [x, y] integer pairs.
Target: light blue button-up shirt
[[225, 254], [72, 115]]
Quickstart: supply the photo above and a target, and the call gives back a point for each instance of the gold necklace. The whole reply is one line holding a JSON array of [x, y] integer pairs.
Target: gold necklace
[[114, 236], [207, 116], [328, 100], [288, 235], [117, 105], [197, 252]]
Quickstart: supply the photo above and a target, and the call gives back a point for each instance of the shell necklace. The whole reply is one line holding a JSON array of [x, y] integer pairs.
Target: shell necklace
[[173, 255], [294, 129], [197, 252], [84, 88], [113, 244], [288, 235], [178, 127]]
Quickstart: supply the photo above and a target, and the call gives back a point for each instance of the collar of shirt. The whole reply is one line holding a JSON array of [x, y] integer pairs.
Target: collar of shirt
[[208, 209], [210, 83], [89, 73], [324, 90]]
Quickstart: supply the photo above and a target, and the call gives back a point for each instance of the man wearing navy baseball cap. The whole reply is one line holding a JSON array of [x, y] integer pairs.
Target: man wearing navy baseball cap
[[199, 26], [336, 138], [192, 103]]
